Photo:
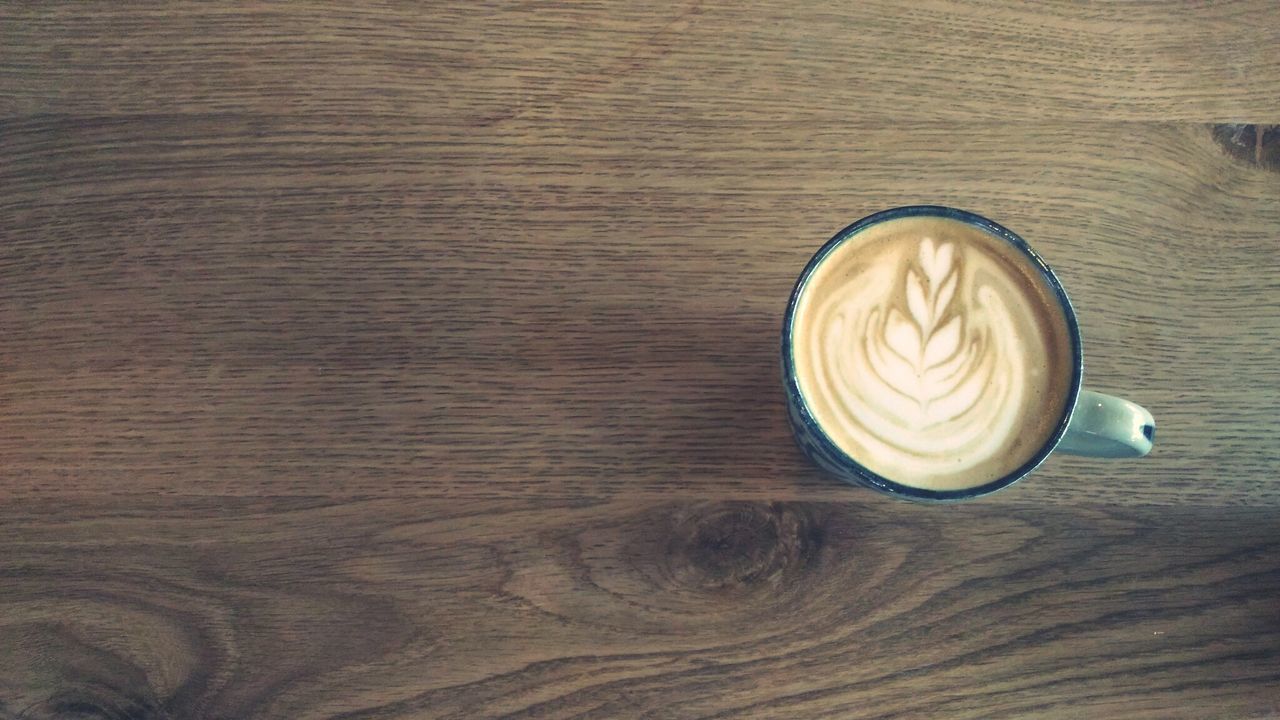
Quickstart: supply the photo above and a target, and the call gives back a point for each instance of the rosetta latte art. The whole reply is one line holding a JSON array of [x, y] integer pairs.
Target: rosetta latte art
[[921, 366]]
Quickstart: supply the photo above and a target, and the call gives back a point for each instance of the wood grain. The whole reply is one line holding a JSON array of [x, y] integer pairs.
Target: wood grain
[[687, 62], [420, 360], [309, 608], [290, 306]]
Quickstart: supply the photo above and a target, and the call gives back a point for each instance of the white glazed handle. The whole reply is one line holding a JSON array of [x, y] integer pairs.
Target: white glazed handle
[[1108, 427]]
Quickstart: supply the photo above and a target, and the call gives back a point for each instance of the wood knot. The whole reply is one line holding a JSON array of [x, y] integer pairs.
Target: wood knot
[[92, 703], [1255, 144], [740, 546], [67, 676]]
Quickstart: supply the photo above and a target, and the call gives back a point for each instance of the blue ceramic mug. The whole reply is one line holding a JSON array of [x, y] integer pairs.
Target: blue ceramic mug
[[930, 353]]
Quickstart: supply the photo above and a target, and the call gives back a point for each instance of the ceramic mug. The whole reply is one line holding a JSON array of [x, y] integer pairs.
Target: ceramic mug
[[1090, 423]]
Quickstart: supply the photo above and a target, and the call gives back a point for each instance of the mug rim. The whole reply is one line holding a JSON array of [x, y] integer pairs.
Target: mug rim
[[866, 476]]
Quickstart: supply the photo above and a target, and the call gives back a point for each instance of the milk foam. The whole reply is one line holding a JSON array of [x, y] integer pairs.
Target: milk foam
[[925, 357]]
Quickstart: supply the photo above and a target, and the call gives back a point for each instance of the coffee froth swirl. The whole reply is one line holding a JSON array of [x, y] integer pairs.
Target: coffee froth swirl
[[920, 361]]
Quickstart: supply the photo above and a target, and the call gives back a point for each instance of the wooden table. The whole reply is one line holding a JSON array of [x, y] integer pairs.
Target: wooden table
[[419, 360]]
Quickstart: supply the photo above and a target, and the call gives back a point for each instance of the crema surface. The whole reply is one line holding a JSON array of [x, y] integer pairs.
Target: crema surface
[[932, 352]]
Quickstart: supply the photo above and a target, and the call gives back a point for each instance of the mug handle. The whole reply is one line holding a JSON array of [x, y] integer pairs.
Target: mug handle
[[1108, 427]]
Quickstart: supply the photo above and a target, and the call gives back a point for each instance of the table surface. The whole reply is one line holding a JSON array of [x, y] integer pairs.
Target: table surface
[[420, 360]]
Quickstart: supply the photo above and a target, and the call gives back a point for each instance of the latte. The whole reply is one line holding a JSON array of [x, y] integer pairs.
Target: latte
[[932, 352]]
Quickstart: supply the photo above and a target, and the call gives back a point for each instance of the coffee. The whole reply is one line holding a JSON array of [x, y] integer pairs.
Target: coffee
[[933, 353]]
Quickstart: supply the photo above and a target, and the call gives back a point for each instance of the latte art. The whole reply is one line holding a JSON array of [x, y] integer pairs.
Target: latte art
[[911, 384], [925, 355]]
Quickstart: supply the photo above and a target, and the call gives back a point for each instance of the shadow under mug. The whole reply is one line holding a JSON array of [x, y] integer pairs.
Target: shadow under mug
[[1092, 424]]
